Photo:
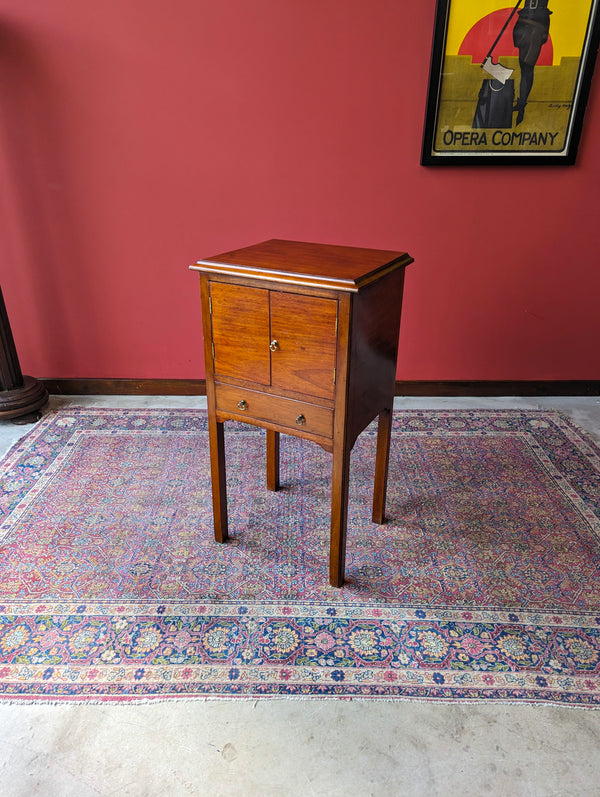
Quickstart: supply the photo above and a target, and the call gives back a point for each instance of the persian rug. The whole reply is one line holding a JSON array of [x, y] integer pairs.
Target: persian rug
[[484, 584]]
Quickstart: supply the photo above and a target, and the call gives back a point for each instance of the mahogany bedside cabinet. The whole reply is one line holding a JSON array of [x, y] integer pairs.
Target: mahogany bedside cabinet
[[302, 338]]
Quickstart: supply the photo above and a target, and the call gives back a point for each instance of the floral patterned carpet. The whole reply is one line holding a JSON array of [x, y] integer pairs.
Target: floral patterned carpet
[[484, 584]]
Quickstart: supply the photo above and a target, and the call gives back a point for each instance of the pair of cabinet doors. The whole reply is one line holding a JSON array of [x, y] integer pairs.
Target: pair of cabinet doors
[[280, 340]]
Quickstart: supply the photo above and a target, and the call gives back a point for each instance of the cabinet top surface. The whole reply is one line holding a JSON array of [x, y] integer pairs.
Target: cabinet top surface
[[323, 265]]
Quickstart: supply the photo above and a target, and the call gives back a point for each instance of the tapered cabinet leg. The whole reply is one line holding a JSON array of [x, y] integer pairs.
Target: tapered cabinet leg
[[382, 459], [218, 478], [272, 460], [339, 513]]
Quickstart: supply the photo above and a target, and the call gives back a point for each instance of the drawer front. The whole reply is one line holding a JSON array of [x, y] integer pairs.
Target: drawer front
[[294, 415]]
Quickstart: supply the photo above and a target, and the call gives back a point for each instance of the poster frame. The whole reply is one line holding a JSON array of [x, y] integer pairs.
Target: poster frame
[[566, 157]]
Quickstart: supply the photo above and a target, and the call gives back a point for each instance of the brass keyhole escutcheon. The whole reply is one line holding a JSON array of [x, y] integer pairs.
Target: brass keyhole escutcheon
[[274, 345], [243, 405], [300, 420]]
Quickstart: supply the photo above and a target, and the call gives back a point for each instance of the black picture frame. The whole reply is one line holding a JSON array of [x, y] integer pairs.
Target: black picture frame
[[476, 117]]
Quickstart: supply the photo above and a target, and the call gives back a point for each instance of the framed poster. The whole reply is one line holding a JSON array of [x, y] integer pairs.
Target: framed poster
[[509, 82]]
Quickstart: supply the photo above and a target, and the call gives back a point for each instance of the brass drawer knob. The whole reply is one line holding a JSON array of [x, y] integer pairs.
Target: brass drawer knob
[[274, 345], [242, 405], [300, 420]]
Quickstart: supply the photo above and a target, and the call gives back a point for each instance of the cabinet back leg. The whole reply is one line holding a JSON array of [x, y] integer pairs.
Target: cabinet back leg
[[382, 458], [272, 460]]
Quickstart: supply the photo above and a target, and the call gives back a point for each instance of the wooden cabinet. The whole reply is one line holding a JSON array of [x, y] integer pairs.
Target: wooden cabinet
[[302, 339]]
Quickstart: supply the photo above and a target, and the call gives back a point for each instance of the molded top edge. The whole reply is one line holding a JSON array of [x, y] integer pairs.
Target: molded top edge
[[320, 265]]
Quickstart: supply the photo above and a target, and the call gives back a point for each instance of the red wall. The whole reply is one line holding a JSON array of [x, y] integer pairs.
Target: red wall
[[137, 136]]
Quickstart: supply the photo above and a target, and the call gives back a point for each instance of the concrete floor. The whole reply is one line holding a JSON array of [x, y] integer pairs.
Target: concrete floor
[[302, 747]]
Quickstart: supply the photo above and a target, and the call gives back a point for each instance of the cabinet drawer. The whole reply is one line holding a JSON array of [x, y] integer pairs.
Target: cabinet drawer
[[298, 416]]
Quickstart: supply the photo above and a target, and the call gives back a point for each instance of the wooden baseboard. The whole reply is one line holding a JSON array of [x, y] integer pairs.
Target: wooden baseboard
[[126, 387], [565, 387], [197, 387]]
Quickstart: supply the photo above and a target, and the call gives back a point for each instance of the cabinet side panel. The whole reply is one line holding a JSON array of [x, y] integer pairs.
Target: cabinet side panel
[[374, 350], [240, 332]]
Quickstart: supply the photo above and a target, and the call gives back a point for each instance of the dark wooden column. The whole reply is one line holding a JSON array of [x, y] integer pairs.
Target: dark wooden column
[[21, 397]]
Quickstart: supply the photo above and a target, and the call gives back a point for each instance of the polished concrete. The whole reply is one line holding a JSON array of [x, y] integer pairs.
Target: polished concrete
[[302, 747]]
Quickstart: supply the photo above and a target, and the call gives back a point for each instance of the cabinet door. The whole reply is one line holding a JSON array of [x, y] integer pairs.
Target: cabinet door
[[240, 328], [305, 330]]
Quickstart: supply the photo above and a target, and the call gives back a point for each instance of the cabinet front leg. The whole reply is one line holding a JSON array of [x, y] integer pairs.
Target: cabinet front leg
[[339, 513], [382, 458], [218, 479], [272, 460]]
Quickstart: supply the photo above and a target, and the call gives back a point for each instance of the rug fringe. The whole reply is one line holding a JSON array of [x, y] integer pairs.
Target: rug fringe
[[163, 699]]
